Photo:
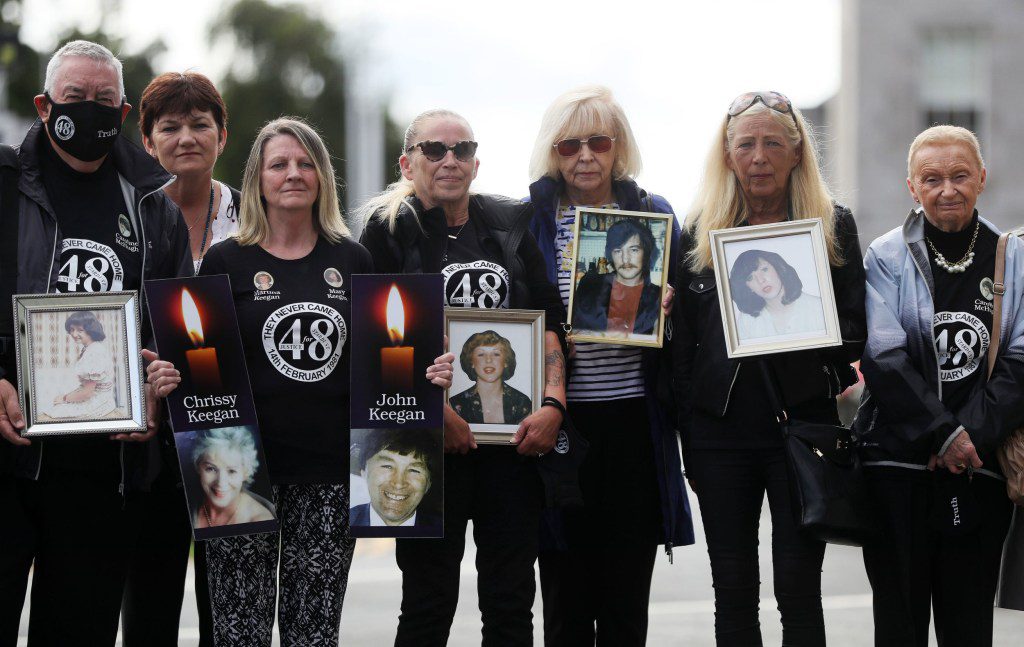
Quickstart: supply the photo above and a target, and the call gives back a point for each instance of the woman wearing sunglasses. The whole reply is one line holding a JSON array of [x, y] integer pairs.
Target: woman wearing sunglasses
[[429, 222], [596, 583], [762, 168]]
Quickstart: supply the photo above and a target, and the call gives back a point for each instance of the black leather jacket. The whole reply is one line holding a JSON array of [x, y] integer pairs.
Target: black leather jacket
[[417, 245], [165, 253], [703, 375]]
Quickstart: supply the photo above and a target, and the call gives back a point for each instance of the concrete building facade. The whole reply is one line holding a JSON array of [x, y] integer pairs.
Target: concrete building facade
[[910, 64]]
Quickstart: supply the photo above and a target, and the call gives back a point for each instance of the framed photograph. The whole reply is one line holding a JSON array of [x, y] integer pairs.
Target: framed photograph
[[499, 368], [79, 363], [396, 483], [620, 260], [227, 484], [775, 288]]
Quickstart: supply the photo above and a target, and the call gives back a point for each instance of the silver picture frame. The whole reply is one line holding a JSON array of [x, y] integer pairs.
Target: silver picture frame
[[809, 320], [589, 263], [518, 327], [46, 359]]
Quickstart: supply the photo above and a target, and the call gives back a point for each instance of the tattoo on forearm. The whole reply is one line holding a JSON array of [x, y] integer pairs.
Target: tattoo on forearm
[[555, 368]]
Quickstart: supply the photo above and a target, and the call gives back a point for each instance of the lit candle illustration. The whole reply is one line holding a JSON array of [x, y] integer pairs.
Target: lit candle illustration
[[202, 362], [396, 362]]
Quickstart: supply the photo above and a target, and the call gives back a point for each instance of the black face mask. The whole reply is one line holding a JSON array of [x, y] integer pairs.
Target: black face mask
[[85, 130]]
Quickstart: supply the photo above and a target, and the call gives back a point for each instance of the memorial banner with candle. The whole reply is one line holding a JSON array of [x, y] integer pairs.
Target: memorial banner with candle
[[396, 474], [212, 413]]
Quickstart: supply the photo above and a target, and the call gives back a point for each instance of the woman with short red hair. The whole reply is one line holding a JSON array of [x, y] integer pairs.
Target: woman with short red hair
[[183, 121]]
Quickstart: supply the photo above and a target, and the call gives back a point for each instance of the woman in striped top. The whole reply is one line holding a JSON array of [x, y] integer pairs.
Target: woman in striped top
[[586, 156]]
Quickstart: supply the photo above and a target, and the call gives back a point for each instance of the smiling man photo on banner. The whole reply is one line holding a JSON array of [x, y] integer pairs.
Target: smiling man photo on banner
[[399, 467], [89, 216]]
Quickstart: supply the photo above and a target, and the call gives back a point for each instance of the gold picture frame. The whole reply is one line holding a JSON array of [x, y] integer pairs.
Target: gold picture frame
[[594, 276]]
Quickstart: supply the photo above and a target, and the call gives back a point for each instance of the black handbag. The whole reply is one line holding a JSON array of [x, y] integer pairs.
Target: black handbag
[[826, 481]]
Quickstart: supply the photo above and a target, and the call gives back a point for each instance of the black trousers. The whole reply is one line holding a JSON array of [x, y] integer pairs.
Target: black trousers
[[501, 492], [78, 532], [597, 591], [914, 567], [731, 485], [155, 587]]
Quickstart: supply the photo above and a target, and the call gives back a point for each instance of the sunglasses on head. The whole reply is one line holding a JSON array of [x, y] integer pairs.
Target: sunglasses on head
[[596, 144], [774, 100], [435, 151]]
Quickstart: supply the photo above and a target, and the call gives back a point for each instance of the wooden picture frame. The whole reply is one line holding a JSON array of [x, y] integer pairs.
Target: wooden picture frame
[[598, 235]]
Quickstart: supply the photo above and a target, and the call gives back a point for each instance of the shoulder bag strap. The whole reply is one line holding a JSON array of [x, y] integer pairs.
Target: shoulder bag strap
[[772, 389], [998, 288]]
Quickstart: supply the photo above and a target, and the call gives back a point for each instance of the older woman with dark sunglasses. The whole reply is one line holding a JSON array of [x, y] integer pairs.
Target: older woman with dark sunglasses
[[762, 168], [597, 563], [430, 222]]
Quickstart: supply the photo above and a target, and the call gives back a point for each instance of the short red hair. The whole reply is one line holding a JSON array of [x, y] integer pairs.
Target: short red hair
[[180, 93]]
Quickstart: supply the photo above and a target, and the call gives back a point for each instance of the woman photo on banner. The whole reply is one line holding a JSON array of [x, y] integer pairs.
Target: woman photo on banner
[[762, 168], [429, 221], [291, 229]]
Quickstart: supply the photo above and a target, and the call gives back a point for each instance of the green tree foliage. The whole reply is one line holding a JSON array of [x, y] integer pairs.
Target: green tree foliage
[[20, 62], [26, 69], [285, 62]]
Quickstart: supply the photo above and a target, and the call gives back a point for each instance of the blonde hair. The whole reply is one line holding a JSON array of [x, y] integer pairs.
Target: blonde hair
[[253, 226], [720, 203], [386, 204], [580, 112], [944, 134]]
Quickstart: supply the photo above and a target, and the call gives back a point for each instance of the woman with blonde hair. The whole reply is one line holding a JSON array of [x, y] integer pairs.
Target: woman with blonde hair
[[295, 339], [762, 168], [596, 575]]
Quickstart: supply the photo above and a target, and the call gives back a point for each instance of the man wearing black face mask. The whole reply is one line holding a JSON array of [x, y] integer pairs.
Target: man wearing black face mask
[[87, 215]]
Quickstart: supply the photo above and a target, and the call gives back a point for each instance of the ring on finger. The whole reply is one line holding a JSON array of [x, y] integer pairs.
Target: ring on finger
[[961, 466]]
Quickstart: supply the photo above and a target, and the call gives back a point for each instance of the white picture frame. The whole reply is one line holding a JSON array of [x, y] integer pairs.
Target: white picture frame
[[757, 269]]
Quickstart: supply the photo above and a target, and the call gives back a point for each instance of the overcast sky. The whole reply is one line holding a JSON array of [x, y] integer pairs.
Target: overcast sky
[[674, 68]]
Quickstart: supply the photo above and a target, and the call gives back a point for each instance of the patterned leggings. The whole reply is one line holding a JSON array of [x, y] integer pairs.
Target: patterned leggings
[[315, 552]]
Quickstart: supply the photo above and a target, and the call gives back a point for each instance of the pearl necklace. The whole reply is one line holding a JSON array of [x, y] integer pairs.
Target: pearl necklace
[[209, 522], [963, 263]]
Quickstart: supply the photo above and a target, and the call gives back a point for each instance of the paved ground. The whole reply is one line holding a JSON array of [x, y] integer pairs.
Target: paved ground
[[682, 611]]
